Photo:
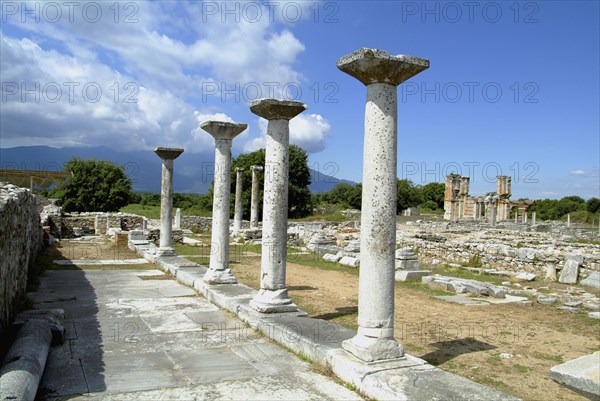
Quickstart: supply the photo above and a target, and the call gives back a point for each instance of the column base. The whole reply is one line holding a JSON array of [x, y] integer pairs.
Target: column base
[[167, 251], [370, 349], [213, 276], [273, 301]]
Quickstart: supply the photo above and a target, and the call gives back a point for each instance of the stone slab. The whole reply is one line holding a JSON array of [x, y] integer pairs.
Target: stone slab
[[593, 280], [411, 275], [594, 315], [570, 271], [581, 374], [461, 299]]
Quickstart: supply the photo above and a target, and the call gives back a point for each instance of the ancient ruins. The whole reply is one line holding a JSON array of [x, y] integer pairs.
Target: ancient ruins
[[485, 234]]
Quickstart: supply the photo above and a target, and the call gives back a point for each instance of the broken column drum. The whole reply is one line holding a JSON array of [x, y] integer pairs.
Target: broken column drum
[[223, 132], [273, 295], [237, 217], [255, 197], [167, 156], [381, 73]]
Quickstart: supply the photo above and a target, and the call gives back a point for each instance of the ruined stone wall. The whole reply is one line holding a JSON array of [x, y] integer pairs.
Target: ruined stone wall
[[503, 249], [21, 239], [196, 223], [98, 223], [154, 236]]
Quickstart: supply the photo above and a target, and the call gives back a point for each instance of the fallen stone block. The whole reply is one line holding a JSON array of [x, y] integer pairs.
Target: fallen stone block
[[546, 300], [411, 275], [330, 257], [569, 309], [594, 315], [570, 271], [592, 281], [349, 261], [581, 375], [525, 276]]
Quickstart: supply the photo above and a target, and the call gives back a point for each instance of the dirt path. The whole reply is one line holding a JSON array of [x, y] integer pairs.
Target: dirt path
[[467, 340]]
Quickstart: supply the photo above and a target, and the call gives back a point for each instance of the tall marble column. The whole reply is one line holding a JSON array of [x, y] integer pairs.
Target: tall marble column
[[255, 196], [237, 217], [167, 156], [533, 217], [223, 132], [273, 295], [381, 73]]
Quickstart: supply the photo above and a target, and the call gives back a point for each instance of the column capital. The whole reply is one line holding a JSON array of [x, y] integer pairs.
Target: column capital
[[274, 109], [168, 153], [239, 169], [257, 168], [222, 129], [372, 66]]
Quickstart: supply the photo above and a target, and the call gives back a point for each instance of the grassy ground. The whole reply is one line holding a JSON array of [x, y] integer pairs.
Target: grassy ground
[[153, 212]]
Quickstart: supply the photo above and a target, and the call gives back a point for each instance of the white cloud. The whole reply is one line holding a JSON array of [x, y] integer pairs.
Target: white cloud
[[309, 131], [577, 172], [160, 60]]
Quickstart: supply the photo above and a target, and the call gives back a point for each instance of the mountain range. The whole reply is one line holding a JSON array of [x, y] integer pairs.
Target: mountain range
[[192, 171]]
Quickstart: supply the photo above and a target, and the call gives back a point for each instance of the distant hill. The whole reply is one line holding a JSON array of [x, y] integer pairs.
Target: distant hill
[[193, 171]]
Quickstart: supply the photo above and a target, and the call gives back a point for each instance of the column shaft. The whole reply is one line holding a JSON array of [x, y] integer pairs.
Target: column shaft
[[255, 198], [219, 255], [237, 217], [166, 204], [275, 205], [378, 218]]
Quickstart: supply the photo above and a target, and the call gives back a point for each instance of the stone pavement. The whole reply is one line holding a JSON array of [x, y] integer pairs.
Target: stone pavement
[[132, 335]]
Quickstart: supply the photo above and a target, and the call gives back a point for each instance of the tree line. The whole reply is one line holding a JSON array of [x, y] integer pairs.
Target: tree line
[[102, 186]]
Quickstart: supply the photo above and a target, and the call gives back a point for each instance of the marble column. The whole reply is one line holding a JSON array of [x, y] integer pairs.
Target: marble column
[[237, 217], [525, 216], [273, 295], [381, 73], [568, 219], [167, 156], [223, 132], [177, 223], [533, 217], [255, 196]]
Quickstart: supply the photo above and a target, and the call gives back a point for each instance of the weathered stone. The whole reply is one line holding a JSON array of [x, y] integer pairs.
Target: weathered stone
[[593, 280], [546, 300], [581, 374], [167, 156], [223, 132], [255, 196], [594, 315], [568, 309], [237, 217], [525, 276], [21, 238], [551, 272], [570, 271], [349, 261], [273, 295], [381, 73]]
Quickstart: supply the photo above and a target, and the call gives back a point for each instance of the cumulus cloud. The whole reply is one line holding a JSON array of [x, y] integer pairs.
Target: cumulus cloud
[[309, 131], [133, 80], [577, 172]]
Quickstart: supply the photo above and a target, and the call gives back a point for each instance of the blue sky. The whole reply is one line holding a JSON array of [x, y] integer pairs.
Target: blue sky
[[513, 87]]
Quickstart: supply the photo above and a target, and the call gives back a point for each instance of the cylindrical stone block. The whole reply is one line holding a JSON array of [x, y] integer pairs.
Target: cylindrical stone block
[[273, 296], [223, 132], [237, 217]]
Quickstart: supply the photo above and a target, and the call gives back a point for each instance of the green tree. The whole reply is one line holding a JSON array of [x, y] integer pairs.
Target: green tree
[[96, 186], [434, 192], [299, 198], [409, 195], [593, 205], [346, 195]]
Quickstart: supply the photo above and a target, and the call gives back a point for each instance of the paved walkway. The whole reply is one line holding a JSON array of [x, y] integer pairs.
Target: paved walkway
[[138, 335]]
